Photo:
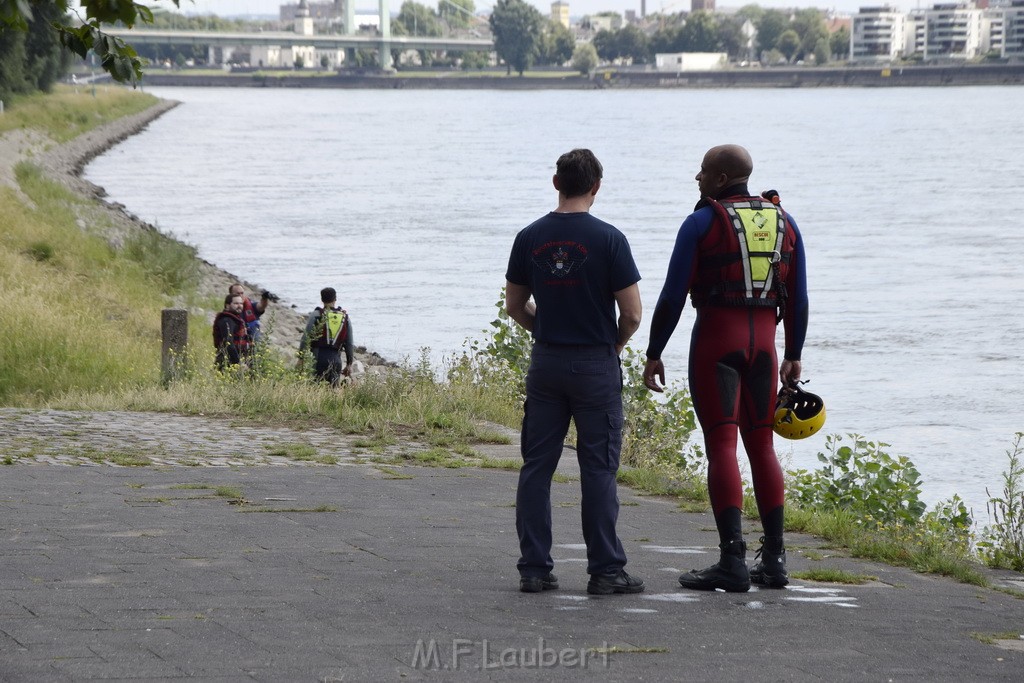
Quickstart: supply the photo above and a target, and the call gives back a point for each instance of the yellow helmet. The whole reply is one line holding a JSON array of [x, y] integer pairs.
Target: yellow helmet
[[798, 414]]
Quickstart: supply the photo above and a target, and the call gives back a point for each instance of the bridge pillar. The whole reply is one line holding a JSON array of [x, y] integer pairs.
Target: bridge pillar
[[385, 36], [350, 17]]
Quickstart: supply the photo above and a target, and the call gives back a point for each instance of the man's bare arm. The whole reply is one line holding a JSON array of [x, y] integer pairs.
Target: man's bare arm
[[518, 305], [630, 311]]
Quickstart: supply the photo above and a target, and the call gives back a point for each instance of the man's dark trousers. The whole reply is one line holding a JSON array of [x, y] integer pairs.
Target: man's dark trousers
[[328, 364], [585, 383]]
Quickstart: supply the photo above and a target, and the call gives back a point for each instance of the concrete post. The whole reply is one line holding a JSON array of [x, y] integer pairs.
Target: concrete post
[[174, 333]]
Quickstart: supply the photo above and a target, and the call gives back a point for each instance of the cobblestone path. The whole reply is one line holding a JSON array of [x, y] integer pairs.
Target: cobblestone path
[[131, 438]]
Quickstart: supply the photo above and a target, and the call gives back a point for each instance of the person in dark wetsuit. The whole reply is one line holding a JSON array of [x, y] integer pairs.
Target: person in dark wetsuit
[[741, 259], [577, 269]]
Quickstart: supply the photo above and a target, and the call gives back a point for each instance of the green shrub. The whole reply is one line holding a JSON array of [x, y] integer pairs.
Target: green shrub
[[1002, 543], [863, 479]]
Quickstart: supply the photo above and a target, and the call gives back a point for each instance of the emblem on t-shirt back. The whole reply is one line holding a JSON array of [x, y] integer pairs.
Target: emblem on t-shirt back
[[561, 259]]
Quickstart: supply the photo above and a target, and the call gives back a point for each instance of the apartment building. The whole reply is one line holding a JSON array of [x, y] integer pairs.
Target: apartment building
[[877, 34], [946, 31]]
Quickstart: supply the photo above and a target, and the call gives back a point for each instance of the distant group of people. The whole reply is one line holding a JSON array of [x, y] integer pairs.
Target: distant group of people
[[741, 260], [328, 332]]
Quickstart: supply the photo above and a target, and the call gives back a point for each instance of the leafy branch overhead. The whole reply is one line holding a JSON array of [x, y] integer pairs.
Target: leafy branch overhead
[[117, 57]]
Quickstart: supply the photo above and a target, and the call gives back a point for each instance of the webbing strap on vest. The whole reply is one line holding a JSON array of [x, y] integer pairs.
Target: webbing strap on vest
[[335, 325], [760, 229]]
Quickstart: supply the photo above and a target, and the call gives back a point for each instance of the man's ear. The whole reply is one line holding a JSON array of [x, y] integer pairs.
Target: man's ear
[[554, 181], [596, 187]]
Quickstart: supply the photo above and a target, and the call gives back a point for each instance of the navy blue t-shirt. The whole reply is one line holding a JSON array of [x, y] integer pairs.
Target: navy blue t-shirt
[[573, 263]]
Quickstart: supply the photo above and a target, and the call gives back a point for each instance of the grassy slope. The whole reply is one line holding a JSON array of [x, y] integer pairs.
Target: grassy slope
[[78, 313]]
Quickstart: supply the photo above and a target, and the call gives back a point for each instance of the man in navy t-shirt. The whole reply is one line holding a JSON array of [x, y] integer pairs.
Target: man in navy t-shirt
[[577, 269]]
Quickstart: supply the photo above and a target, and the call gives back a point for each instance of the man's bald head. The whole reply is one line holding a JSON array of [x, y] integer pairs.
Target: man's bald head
[[723, 167]]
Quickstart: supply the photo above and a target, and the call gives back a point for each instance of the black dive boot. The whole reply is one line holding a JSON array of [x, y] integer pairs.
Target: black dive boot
[[770, 571], [730, 574]]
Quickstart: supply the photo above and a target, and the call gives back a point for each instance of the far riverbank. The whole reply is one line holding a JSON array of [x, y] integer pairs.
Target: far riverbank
[[789, 77]]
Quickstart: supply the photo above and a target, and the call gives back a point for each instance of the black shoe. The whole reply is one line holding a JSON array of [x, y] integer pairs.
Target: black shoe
[[729, 574], [536, 584], [770, 572], [620, 582]]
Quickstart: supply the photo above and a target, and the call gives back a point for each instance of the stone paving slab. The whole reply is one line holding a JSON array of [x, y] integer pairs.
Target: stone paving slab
[[117, 573]]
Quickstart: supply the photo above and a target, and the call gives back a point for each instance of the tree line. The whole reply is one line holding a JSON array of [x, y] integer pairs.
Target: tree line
[[523, 38], [32, 33]]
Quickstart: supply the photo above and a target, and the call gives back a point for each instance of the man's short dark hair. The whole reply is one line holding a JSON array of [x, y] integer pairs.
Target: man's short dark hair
[[327, 295], [229, 297], [577, 172]]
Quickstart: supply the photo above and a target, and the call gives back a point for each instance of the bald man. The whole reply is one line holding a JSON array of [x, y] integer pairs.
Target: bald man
[[741, 260]]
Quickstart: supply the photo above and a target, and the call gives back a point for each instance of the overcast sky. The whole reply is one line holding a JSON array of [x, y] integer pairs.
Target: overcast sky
[[576, 7]]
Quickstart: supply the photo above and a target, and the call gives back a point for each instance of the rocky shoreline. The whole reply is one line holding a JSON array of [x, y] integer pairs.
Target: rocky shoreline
[[63, 163]]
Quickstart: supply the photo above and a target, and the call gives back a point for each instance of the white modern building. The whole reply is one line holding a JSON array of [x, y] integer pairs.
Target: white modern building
[[1013, 31], [878, 34], [946, 31]]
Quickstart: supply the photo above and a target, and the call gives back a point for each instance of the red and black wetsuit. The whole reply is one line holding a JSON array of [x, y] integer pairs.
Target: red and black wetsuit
[[733, 367]]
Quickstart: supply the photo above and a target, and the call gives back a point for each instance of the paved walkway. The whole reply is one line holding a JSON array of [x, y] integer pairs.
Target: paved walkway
[[362, 572]]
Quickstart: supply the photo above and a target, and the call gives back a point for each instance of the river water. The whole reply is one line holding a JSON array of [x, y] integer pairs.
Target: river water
[[407, 203]]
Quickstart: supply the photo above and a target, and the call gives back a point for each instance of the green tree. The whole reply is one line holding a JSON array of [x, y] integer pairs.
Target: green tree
[[473, 59], [769, 28], [32, 59], [788, 44], [822, 52], [809, 24], [667, 39], [117, 57], [839, 43], [584, 58], [558, 44], [606, 46], [730, 36], [699, 34], [517, 29], [752, 12], [634, 44], [457, 13], [417, 20]]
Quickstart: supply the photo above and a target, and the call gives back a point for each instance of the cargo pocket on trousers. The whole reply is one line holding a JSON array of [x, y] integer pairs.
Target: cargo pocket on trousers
[[614, 440]]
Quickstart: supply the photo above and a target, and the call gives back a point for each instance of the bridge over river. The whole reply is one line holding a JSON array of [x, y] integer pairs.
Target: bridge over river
[[384, 43]]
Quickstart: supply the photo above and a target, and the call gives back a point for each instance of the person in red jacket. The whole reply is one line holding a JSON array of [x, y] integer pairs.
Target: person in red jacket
[[230, 335], [741, 260]]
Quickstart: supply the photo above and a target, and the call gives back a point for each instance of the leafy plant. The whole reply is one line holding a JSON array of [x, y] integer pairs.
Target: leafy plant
[[656, 433], [862, 479], [1002, 543]]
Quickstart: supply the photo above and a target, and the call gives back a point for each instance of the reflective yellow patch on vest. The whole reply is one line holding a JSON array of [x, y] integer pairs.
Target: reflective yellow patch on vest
[[335, 323], [760, 229]]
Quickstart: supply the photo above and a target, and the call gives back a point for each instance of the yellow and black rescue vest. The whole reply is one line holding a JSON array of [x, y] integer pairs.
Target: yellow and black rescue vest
[[331, 328]]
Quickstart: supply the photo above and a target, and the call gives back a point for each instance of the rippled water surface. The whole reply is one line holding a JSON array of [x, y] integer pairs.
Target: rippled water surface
[[407, 203]]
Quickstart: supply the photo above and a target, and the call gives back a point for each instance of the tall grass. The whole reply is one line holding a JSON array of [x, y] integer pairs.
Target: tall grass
[[78, 312], [69, 111]]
